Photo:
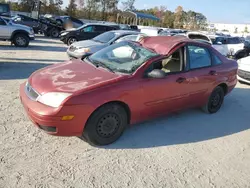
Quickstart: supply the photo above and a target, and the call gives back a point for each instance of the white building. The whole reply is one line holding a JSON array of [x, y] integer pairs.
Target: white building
[[238, 29]]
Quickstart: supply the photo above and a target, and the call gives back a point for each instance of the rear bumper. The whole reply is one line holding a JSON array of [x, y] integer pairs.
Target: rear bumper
[[50, 119]]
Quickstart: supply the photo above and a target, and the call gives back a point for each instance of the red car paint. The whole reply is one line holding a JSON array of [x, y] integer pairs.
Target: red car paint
[[145, 97]]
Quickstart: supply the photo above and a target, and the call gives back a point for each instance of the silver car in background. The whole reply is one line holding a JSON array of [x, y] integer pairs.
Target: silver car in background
[[87, 47]]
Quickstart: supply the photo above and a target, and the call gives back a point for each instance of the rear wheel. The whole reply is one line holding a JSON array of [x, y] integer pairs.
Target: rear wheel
[[54, 33], [21, 40], [215, 101], [105, 125], [71, 40]]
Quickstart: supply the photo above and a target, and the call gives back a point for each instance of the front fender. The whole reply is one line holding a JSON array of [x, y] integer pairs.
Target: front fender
[[19, 31]]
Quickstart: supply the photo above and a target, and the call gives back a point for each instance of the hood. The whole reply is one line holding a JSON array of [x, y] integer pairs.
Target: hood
[[71, 29], [19, 26], [87, 44], [92, 45], [70, 77]]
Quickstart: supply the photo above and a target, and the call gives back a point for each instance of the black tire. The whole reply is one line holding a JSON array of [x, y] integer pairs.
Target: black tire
[[71, 40], [215, 101], [21, 40], [54, 33], [105, 125]]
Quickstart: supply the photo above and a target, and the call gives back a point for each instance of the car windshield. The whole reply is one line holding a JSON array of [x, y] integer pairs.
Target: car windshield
[[124, 57], [105, 37]]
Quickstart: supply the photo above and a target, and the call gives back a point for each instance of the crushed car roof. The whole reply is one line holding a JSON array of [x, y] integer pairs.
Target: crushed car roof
[[164, 44]]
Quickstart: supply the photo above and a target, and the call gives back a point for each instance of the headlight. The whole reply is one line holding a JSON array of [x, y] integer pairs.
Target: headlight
[[65, 33], [31, 31], [53, 99], [83, 50]]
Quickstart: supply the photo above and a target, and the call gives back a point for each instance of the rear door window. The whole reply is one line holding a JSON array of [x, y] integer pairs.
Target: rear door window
[[217, 60], [199, 57], [110, 28], [99, 28]]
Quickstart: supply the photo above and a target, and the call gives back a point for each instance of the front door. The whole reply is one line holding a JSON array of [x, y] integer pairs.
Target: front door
[[87, 33], [4, 29], [170, 93], [165, 95]]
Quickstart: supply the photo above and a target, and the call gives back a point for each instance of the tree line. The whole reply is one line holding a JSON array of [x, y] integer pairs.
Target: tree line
[[107, 10]]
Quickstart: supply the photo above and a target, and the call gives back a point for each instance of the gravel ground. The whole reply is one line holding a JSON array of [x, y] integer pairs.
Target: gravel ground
[[188, 149]]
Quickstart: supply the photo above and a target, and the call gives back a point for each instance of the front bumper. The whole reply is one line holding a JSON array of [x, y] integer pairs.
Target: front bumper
[[76, 55], [50, 120], [63, 39], [32, 36], [243, 76]]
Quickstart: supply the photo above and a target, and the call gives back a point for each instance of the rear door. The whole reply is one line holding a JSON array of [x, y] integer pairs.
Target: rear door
[[99, 29], [201, 74]]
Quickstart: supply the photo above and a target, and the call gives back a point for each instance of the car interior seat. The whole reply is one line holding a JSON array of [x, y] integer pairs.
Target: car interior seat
[[172, 63]]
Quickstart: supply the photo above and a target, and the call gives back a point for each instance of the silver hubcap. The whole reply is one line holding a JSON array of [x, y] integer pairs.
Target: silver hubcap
[[20, 41], [72, 41]]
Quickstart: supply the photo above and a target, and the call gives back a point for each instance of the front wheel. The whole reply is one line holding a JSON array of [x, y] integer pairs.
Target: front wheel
[[71, 40], [105, 125], [21, 40], [215, 101]]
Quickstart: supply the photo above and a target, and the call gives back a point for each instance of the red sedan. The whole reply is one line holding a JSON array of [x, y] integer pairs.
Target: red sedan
[[126, 83]]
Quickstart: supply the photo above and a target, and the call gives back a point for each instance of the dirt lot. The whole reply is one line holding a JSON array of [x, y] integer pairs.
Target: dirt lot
[[189, 149]]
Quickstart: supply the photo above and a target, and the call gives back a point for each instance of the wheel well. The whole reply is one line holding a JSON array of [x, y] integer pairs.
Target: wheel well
[[19, 32], [224, 87], [124, 105]]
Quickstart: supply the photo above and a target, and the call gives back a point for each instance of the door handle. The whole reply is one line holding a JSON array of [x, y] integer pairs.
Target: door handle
[[212, 72], [181, 79]]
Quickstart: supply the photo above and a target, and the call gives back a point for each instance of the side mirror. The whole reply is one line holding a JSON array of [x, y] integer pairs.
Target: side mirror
[[156, 73]]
